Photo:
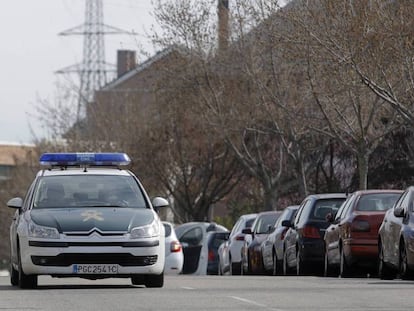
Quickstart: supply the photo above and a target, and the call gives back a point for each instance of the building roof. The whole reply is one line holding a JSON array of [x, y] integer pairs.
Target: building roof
[[10, 152], [141, 67]]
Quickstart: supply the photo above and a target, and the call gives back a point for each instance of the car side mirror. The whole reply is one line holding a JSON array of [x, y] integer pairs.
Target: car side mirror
[[287, 223], [399, 212], [15, 203], [159, 202]]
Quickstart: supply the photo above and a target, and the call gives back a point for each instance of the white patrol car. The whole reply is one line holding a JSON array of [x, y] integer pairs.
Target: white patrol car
[[85, 216]]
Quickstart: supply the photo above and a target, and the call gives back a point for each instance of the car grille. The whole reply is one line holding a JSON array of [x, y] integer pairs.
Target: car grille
[[94, 244], [65, 260]]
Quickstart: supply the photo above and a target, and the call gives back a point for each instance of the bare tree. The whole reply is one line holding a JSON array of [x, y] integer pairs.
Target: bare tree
[[334, 38]]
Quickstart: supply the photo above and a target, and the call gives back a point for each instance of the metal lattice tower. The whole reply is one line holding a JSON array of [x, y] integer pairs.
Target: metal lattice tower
[[93, 69]]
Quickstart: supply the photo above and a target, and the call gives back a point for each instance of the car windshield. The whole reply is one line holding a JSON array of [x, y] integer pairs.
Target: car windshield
[[377, 201], [88, 191]]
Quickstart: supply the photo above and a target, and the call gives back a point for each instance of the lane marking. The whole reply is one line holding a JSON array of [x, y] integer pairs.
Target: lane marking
[[252, 302], [189, 288]]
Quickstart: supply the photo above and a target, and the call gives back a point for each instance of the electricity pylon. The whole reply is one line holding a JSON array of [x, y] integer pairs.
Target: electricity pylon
[[93, 69]]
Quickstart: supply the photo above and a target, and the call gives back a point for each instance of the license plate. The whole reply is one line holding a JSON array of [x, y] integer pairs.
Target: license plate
[[95, 269]]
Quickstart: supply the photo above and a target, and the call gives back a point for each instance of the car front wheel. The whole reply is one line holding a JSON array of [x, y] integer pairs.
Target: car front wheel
[[384, 272], [405, 271], [25, 281], [344, 268], [154, 280]]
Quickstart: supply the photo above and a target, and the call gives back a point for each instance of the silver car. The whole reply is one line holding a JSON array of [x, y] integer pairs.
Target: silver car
[[86, 216], [229, 252]]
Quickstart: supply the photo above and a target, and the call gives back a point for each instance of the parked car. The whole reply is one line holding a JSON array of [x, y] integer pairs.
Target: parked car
[[396, 239], [174, 257], [251, 252], [272, 247], [85, 215], [197, 242], [229, 252], [304, 247], [351, 240]]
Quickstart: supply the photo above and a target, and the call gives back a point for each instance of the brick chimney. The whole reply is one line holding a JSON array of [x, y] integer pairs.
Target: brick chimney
[[126, 61], [223, 24]]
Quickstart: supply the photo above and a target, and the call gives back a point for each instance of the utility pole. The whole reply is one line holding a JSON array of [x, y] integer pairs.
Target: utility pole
[[93, 69]]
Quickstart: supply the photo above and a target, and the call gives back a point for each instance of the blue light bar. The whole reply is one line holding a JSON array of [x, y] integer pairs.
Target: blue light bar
[[81, 158]]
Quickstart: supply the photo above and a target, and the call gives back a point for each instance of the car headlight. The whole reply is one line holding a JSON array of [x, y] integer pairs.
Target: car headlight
[[36, 231], [147, 231]]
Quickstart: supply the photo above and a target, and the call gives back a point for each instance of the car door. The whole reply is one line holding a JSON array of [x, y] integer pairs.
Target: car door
[[343, 228], [192, 242], [292, 235], [333, 232], [394, 226]]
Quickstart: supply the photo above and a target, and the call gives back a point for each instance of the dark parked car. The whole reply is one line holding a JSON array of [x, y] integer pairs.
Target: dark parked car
[[252, 262], [396, 239], [214, 240], [304, 247], [351, 241], [272, 247]]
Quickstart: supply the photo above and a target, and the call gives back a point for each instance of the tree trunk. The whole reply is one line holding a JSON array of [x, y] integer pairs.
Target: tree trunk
[[363, 169], [271, 197]]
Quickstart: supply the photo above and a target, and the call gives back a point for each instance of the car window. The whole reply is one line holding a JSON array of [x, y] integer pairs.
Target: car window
[[217, 240], [377, 201], [193, 237], [324, 206], [88, 191], [167, 228], [344, 207], [236, 227], [301, 209]]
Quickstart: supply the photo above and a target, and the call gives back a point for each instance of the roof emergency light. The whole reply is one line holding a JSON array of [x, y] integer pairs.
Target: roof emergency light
[[84, 158]]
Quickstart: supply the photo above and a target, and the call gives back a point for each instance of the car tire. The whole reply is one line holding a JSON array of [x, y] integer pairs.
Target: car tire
[[25, 281], [345, 270], [405, 272], [14, 276], [138, 279], [300, 265], [384, 271], [154, 280], [235, 268]]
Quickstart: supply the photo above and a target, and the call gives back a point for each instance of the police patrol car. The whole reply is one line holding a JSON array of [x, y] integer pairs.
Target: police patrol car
[[86, 216]]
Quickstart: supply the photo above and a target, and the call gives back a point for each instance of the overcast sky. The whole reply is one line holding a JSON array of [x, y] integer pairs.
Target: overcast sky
[[31, 52]]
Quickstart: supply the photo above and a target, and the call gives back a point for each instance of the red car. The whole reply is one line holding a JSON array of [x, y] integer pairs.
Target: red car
[[351, 240]]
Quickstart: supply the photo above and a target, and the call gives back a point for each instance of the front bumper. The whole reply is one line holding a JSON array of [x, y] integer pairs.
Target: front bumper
[[60, 257]]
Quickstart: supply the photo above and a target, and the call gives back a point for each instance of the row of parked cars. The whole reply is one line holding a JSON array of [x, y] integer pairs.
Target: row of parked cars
[[366, 232]]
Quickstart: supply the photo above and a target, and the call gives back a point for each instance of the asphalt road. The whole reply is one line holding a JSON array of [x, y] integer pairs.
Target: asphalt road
[[213, 293]]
